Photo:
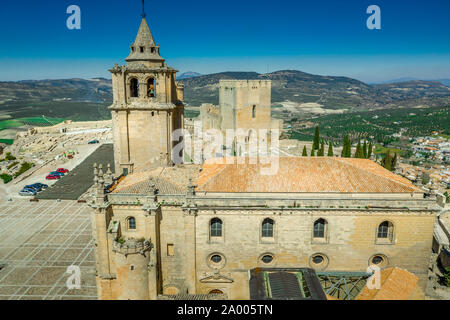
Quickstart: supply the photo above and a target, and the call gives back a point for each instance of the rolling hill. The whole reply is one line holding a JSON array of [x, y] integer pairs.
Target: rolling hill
[[81, 99], [330, 91]]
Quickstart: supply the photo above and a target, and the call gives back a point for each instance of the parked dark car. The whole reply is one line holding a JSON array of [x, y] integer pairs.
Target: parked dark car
[[34, 187], [41, 185], [93, 142]]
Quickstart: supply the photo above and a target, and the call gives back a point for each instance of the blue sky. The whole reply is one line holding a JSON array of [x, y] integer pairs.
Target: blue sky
[[326, 37]]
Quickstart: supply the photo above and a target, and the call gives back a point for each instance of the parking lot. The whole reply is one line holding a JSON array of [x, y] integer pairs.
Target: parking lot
[[39, 241], [81, 178]]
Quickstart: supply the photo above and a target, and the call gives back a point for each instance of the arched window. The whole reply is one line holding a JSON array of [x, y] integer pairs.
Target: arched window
[[132, 223], [267, 228], [151, 89], [254, 112], [385, 230], [319, 228], [134, 88], [216, 227]]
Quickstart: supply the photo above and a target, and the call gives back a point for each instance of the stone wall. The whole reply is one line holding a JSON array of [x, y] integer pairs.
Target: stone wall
[[184, 246]]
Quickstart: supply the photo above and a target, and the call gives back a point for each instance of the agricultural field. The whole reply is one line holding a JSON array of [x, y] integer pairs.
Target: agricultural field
[[379, 124], [30, 121]]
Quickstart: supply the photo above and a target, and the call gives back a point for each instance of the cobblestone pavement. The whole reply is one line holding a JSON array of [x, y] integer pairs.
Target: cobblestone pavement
[[39, 241]]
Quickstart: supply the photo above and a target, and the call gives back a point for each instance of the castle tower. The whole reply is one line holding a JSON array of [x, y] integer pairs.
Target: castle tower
[[147, 107]]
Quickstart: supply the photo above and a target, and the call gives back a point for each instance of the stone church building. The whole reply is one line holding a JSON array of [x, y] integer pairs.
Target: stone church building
[[168, 230]]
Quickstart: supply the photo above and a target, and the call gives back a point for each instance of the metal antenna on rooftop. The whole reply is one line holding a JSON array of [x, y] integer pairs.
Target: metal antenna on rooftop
[[143, 9]]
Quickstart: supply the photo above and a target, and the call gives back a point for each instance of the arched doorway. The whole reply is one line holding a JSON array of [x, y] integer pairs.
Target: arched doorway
[[216, 291]]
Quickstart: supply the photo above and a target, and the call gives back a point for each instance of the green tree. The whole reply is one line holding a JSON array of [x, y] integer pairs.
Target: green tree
[[394, 162], [370, 151], [316, 143], [425, 178], [359, 152], [312, 152], [322, 149], [365, 149], [387, 161], [330, 150], [305, 152], [347, 148]]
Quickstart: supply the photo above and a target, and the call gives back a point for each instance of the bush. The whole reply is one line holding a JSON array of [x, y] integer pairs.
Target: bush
[[10, 157], [447, 277], [23, 168], [12, 165], [6, 178]]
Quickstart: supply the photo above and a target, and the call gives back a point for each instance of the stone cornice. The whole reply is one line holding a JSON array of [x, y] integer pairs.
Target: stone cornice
[[141, 69], [137, 105]]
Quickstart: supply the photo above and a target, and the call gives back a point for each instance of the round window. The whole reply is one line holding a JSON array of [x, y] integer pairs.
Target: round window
[[216, 258], [267, 259], [317, 259], [377, 260]]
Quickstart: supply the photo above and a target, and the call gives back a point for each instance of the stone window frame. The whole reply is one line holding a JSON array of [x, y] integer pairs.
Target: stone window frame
[[212, 239], [268, 240], [130, 90], [154, 78], [170, 245], [326, 238], [321, 266], [127, 223], [383, 264], [390, 238], [264, 264], [219, 265]]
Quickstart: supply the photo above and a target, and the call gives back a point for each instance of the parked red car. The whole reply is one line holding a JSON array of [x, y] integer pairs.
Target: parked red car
[[50, 177], [62, 170]]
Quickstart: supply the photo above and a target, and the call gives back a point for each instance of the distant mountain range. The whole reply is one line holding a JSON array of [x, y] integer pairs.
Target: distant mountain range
[[330, 91], [445, 82], [296, 86], [189, 74], [96, 90]]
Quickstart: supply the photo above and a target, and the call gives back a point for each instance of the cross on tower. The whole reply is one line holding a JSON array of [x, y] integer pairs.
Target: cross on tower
[[143, 9]]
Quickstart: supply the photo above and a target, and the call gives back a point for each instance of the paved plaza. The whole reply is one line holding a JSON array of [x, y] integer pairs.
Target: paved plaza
[[39, 241]]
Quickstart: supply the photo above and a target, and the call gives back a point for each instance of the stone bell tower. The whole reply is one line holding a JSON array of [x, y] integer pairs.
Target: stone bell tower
[[147, 109]]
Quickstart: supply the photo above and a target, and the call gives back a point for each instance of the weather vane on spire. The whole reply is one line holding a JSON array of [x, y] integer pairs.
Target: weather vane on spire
[[143, 9]]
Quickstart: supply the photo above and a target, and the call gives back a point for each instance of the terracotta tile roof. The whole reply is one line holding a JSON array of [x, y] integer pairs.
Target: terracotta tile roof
[[173, 180], [396, 284], [304, 174]]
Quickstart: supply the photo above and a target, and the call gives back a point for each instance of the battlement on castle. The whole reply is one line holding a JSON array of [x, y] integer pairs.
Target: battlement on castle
[[246, 83]]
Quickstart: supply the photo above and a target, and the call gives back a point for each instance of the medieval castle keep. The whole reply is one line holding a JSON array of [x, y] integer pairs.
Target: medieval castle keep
[[169, 230]]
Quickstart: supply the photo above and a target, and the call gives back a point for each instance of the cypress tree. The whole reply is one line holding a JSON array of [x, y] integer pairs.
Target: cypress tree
[[305, 152], [358, 151], [387, 161], [322, 150], [365, 149], [369, 152], [312, 152], [316, 144], [394, 162], [347, 149], [330, 150]]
